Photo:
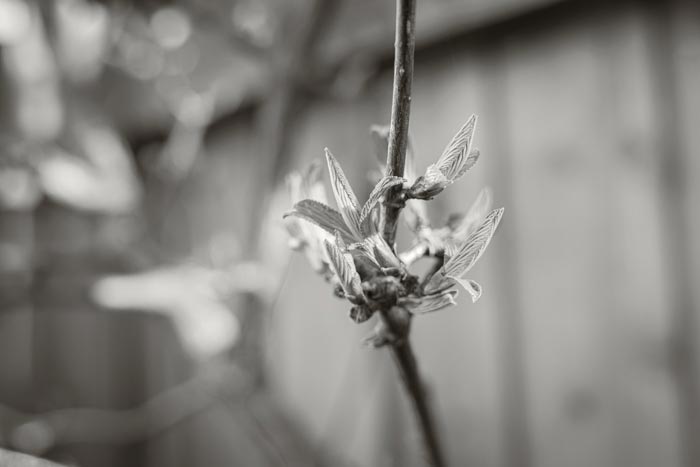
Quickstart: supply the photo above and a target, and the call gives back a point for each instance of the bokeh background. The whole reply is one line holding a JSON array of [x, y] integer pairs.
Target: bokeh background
[[151, 314]]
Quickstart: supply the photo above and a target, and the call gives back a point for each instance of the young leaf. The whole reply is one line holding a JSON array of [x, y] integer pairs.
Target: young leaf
[[473, 247], [435, 302], [344, 195], [379, 190], [473, 158], [344, 268], [454, 158], [323, 216], [382, 252]]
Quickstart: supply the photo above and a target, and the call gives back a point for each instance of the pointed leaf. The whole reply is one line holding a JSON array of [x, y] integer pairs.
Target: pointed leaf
[[379, 190], [323, 216], [453, 159], [344, 195], [435, 302], [344, 268], [473, 247], [382, 252], [428, 185], [473, 158]]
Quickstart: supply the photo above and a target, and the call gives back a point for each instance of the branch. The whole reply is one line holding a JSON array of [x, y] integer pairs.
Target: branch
[[396, 161], [408, 368], [400, 110]]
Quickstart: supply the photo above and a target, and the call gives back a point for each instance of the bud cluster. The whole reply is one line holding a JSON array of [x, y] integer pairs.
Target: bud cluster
[[346, 246]]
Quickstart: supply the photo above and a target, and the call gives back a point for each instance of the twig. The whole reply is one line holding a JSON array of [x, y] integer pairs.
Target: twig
[[400, 110], [408, 368], [396, 160]]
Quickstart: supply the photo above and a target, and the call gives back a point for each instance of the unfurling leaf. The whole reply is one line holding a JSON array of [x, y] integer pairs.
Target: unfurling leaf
[[344, 268], [473, 247], [344, 195], [323, 216], [429, 185], [379, 190], [454, 158], [381, 251], [431, 303], [454, 161], [473, 158]]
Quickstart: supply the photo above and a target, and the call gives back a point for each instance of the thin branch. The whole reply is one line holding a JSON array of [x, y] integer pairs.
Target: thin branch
[[396, 161], [400, 110], [408, 368]]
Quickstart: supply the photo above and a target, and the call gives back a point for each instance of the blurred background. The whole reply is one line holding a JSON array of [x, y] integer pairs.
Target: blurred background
[[152, 315]]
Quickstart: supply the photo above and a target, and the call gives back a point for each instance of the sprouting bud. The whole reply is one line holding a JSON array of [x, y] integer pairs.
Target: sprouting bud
[[454, 162], [348, 248]]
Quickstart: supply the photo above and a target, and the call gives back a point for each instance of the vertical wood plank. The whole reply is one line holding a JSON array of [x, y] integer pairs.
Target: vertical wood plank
[[674, 51], [644, 398], [586, 174], [552, 92]]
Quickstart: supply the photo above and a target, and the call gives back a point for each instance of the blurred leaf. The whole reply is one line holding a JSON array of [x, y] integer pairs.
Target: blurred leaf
[[431, 303]]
